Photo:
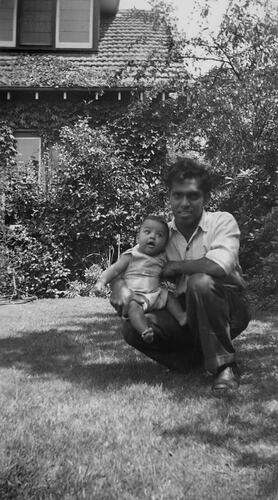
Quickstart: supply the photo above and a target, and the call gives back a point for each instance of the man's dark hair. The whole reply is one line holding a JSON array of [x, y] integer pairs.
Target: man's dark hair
[[157, 218], [187, 168]]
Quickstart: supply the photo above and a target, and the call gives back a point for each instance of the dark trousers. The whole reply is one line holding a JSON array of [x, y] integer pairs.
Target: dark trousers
[[216, 313]]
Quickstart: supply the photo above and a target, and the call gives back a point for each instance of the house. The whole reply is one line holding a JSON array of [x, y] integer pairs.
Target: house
[[59, 57]]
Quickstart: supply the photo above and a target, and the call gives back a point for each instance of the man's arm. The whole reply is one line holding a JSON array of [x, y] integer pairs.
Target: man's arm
[[222, 255], [203, 265]]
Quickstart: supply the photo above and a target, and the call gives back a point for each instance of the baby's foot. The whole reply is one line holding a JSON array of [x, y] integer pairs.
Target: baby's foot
[[148, 335], [182, 319]]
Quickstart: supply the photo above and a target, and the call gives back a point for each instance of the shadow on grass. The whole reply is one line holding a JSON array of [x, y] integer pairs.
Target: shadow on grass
[[88, 350], [248, 448], [246, 423]]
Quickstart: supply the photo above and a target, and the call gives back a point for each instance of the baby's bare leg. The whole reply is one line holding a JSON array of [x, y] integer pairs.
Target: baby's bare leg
[[138, 320], [174, 307]]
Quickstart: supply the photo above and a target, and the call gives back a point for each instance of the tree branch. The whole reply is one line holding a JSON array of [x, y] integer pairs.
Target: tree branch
[[229, 61], [198, 58]]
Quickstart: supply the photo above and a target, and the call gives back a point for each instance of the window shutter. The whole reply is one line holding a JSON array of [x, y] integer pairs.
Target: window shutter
[[36, 22], [74, 24]]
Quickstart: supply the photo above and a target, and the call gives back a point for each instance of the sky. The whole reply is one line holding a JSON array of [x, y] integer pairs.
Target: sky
[[189, 20], [187, 12]]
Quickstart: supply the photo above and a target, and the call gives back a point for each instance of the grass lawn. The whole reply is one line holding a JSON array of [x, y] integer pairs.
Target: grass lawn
[[83, 416]]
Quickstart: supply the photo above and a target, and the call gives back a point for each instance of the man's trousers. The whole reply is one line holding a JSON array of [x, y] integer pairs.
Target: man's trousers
[[216, 313]]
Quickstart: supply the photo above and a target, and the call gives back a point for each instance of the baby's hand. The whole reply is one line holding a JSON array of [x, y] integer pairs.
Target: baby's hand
[[99, 287]]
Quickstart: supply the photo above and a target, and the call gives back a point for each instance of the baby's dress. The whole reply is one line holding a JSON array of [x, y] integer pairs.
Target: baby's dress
[[142, 276]]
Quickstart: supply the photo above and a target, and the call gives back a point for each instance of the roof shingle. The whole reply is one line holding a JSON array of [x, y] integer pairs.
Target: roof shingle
[[133, 51]]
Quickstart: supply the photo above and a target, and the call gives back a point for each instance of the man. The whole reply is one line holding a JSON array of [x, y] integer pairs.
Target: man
[[203, 259]]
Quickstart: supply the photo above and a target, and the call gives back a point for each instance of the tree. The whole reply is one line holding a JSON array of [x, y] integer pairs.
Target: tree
[[231, 120], [228, 117]]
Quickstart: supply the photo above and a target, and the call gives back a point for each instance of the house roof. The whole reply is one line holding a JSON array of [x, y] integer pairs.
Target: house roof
[[133, 51]]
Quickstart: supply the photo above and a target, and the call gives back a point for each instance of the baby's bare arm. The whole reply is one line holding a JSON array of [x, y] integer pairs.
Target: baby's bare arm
[[115, 270]]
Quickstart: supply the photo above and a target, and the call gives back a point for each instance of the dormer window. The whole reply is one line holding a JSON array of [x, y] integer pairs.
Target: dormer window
[[47, 24]]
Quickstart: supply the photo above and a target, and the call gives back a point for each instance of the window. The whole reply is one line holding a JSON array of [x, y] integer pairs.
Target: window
[[47, 24], [74, 23], [28, 144], [8, 22], [35, 26]]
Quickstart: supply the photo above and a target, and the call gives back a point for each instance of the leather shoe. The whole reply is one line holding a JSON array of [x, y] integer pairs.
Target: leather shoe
[[227, 380]]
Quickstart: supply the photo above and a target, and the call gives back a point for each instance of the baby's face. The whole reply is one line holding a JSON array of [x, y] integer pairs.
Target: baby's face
[[153, 237]]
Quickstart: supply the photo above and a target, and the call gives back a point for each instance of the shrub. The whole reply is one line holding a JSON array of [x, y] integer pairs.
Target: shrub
[[6, 273], [96, 195], [85, 288], [38, 267], [96, 198], [263, 276]]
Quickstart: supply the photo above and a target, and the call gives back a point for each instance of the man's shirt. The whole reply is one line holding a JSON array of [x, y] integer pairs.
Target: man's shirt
[[216, 238]]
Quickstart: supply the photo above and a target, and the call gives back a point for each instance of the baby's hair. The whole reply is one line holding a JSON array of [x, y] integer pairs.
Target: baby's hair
[[157, 218]]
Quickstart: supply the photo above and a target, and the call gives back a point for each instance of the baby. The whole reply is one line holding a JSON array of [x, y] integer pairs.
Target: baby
[[141, 267]]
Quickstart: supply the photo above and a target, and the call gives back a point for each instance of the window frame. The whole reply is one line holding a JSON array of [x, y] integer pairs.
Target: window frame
[[56, 46]]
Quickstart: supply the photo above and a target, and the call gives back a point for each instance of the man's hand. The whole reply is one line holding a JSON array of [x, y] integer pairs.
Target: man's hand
[[172, 269]]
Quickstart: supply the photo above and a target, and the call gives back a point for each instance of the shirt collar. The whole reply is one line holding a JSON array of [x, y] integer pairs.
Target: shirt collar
[[203, 223]]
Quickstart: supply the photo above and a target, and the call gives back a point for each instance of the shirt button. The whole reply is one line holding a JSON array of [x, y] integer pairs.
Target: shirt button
[[187, 248]]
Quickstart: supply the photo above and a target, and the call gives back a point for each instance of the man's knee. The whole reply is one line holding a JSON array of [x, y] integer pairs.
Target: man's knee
[[240, 317], [200, 283]]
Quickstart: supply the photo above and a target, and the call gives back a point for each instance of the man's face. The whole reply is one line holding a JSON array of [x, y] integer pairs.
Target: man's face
[[187, 201]]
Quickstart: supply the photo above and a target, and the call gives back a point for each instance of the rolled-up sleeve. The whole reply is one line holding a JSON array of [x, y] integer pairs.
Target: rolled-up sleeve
[[224, 244]]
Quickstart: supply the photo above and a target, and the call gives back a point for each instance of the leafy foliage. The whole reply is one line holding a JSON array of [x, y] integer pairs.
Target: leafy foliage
[[36, 265], [86, 287], [7, 147], [94, 202], [109, 164], [230, 120], [33, 262], [7, 163], [96, 193]]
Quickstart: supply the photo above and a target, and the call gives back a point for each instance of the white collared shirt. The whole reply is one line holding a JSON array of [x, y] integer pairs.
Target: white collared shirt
[[216, 238]]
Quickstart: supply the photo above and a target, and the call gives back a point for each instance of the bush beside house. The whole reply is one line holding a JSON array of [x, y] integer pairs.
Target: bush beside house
[[96, 196]]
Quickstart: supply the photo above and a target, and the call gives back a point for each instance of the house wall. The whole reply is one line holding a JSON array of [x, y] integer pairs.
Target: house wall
[[50, 113]]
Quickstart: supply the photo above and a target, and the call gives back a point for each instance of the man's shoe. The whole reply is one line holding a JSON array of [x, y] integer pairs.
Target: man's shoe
[[227, 380]]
